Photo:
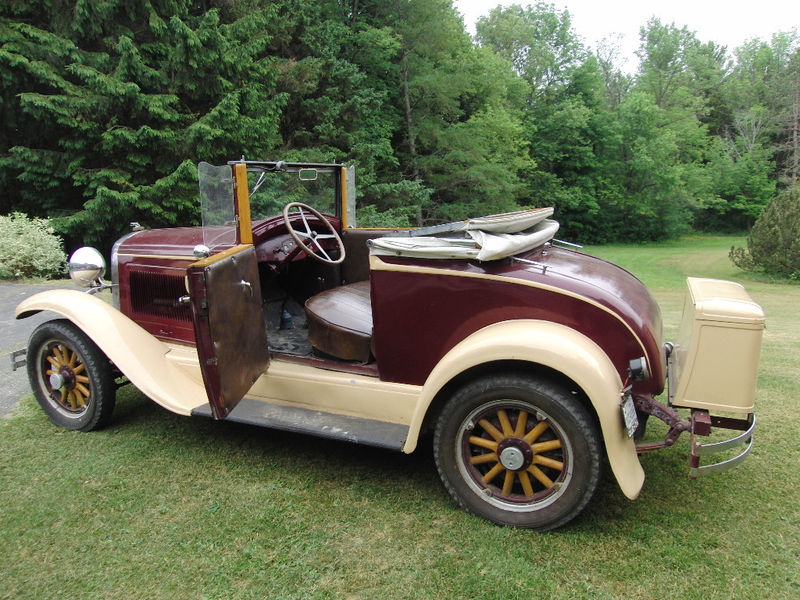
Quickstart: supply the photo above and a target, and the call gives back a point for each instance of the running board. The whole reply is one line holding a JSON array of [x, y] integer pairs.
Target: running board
[[313, 422]]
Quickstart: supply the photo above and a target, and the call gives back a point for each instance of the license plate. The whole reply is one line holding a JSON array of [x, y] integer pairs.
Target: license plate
[[629, 415]]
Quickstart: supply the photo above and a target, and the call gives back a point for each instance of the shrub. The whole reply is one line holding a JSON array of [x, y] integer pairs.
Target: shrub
[[29, 248], [773, 245]]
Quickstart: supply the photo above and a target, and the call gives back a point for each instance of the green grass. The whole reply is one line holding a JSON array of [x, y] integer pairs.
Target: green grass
[[161, 506]]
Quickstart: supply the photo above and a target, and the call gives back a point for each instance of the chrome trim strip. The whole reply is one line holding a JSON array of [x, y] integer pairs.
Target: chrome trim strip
[[115, 268]]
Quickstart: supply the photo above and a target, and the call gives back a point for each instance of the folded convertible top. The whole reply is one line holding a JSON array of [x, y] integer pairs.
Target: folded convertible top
[[484, 238]]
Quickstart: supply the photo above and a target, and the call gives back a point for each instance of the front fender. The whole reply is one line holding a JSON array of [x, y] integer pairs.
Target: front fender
[[561, 349], [136, 353]]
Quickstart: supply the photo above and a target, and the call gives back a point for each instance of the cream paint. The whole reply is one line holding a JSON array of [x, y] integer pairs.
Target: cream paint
[[563, 350], [170, 374], [138, 355], [310, 387], [720, 333]]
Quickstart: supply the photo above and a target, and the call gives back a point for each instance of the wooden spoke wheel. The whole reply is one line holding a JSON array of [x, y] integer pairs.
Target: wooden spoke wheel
[[70, 377], [518, 451]]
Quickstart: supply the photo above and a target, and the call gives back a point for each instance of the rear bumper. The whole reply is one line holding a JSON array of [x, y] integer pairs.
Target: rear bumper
[[701, 424]]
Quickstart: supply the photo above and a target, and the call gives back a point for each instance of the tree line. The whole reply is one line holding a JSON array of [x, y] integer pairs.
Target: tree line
[[106, 106]]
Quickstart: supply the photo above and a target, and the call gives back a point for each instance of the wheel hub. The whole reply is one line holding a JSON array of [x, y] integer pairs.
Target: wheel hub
[[512, 458], [64, 377], [515, 454]]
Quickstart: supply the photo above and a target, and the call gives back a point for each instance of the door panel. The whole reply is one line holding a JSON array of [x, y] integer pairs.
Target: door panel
[[229, 327]]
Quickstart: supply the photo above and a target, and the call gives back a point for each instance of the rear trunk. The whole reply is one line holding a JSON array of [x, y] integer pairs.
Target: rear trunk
[[715, 361]]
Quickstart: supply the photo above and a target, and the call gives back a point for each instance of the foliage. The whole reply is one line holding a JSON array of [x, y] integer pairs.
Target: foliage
[[368, 216], [29, 248], [774, 242], [106, 107]]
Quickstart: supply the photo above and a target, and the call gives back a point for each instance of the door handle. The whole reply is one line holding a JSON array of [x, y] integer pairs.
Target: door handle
[[247, 288]]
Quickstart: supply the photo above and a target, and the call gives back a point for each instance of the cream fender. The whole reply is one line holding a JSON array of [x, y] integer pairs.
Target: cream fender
[[563, 350], [136, 353]]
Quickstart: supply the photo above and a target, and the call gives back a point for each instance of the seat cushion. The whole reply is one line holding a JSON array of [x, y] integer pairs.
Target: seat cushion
[[340, 322]]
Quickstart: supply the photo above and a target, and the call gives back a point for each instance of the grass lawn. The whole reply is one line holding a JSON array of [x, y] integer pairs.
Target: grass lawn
[[161, 506]]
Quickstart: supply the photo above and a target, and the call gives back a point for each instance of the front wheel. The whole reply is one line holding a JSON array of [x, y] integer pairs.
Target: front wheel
[[70, 376], [518, 451]]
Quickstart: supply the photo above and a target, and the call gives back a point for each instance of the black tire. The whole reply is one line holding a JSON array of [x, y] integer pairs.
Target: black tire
[[518, 451], [70, 376]]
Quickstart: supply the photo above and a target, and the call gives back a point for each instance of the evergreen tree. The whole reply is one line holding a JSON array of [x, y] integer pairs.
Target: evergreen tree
[[120, 100]]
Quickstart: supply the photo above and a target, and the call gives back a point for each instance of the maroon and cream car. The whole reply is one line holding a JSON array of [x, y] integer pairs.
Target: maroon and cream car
[[531, 363]]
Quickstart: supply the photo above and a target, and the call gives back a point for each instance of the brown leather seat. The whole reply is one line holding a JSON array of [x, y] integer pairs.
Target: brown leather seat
[[340, 322]]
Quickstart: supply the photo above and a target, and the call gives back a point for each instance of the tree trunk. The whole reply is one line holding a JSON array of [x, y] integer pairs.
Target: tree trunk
[[412, 146]]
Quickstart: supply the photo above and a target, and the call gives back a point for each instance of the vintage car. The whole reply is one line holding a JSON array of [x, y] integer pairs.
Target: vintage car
[[531, 363]]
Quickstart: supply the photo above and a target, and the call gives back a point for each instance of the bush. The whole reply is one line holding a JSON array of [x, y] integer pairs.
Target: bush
[[29, 248], [773, 245]]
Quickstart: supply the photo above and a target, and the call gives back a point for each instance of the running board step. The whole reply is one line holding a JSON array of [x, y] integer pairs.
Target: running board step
[[313, 422]]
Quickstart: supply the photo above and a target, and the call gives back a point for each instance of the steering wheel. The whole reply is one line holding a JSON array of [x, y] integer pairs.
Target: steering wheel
[[309, 240]]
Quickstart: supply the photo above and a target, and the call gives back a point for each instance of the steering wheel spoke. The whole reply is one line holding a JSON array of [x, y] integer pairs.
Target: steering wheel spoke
[[309, 241]]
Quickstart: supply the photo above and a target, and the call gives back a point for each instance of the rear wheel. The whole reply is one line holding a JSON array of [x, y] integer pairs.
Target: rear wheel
[[518, 451], [70, 376]]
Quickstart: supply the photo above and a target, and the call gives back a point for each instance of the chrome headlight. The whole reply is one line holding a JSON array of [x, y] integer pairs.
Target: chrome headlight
[[86, 267]]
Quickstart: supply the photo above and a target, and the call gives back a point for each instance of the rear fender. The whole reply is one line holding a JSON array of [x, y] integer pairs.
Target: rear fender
[[137, 354], [562, 349]]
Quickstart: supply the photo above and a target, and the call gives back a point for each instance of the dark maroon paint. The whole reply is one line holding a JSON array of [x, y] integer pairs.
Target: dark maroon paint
[[418, 318], [442, 310]]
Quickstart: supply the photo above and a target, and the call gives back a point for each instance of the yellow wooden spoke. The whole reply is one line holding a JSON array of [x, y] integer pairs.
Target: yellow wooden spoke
[[482, 442], [525, 480], [50, 372], [493, 472], [53, 362], [491, 430], [57, 352], [72, 400], [484, 458], [73, 358], [541, 477], [82, 378], [522, 421], [79, 368], [548, 462], [63, 395], [546, 446], [82, 389], [534, 433], [508, 483], [505, 423], [82, 398]]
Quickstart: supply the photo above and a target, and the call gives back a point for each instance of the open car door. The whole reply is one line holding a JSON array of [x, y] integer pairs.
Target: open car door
[[225, 292], [228, 325]]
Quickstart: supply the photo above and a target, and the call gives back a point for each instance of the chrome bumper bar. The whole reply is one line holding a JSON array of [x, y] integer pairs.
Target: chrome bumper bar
[[701, 425], [18, 359]]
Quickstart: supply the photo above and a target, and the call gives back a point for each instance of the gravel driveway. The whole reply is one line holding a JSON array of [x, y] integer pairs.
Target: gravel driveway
[[14, 336]]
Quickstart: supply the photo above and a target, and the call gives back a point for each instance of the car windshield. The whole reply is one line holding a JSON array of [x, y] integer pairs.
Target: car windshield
[[271, 190]]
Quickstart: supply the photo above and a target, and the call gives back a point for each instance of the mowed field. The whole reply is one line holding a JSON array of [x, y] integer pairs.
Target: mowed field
[[162, 506]]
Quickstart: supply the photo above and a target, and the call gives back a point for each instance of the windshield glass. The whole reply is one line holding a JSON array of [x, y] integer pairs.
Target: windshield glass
[[271, 190], [217, 205]]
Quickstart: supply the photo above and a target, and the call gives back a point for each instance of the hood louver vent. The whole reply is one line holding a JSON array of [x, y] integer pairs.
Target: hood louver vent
[[155, 294]]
